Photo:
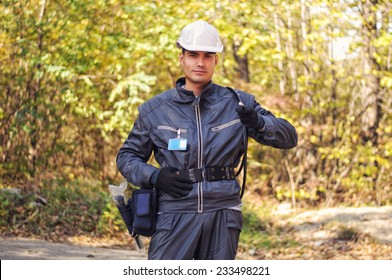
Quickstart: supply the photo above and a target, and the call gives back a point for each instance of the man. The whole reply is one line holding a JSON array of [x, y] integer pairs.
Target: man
[[196, 133]]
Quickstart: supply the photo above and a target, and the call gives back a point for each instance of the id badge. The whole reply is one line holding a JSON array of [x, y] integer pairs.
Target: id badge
[[177, 144]]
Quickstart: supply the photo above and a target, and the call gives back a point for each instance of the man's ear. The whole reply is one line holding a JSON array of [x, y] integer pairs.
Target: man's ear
[[216, 59], [181, 58]]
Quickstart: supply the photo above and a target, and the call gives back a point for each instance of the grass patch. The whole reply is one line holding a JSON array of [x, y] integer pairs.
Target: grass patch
[[59, 210], [348, 234], [258, 231]]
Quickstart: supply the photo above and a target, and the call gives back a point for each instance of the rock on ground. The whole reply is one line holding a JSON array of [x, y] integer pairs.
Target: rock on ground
[[376, 222]]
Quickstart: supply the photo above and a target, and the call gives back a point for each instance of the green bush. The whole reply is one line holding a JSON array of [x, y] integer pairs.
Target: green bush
[[59, 210]]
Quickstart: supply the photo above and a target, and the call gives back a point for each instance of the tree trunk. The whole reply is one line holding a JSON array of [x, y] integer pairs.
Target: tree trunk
[[290, 54], [305, 51], [33, 150], [371, 101], [278, 27], [334, 82], [242, 63]]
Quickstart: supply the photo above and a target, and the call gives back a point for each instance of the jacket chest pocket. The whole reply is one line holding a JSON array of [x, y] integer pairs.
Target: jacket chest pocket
[[225, 132], [225, 125], [163, 133], [224, 141]]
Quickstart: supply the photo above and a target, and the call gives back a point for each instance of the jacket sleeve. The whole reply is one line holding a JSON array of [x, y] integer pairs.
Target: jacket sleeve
[[276, 132], [133, 155]]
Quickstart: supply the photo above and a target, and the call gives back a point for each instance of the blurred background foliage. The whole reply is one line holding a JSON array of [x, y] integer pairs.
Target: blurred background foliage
[[72, 74]]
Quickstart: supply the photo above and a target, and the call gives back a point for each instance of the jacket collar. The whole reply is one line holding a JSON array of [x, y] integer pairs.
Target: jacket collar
[[207, 95]]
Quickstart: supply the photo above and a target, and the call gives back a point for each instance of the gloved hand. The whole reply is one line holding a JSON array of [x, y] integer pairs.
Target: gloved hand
[[249, 117], [171, 182]]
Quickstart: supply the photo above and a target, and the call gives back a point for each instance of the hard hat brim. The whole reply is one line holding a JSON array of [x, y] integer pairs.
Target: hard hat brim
[[200, 48]]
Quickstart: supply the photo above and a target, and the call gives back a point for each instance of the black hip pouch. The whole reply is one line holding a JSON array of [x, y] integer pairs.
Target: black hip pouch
[[144, 211]]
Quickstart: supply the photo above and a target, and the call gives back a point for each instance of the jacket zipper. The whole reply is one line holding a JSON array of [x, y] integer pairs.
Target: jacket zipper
[[199, 158], [233, 122]]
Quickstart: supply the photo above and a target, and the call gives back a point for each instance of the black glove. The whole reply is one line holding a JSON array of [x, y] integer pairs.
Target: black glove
[[249, 117], [170, 181]]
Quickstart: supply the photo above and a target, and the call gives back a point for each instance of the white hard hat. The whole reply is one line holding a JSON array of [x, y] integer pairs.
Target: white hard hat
[[200, 36]]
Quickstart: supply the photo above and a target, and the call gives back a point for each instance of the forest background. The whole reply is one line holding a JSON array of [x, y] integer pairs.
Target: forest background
[[72, 74]]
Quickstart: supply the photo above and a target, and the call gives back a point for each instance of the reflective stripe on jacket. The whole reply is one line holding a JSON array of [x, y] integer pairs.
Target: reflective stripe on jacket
[[213, 131]]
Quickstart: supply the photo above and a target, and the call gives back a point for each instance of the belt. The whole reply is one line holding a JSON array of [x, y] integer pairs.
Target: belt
[[215, 173]]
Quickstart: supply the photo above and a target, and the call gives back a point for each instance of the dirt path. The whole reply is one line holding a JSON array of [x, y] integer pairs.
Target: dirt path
[[25, 249], [317, 228]]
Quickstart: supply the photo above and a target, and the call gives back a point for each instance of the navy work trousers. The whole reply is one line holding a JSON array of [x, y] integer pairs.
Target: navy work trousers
[[201, 236]]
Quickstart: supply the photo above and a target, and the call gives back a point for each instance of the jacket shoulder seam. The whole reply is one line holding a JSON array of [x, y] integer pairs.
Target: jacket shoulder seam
[[155, 102]]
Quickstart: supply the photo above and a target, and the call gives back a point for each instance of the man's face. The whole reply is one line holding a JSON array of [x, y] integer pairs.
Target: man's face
[[198, 67]]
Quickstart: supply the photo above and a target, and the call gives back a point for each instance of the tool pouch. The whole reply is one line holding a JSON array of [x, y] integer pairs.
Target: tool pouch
[[144, 211]]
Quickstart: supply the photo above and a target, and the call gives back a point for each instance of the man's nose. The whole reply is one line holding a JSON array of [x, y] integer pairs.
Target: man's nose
[[200, 61]]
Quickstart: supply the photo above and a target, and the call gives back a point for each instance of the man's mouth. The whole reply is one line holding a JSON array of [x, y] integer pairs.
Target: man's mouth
[[199, 71]]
